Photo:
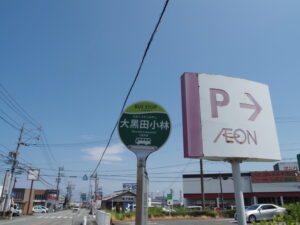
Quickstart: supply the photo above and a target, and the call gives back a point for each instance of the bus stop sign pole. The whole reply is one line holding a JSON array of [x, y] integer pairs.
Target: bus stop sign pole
[[142, 193], [238, 192]]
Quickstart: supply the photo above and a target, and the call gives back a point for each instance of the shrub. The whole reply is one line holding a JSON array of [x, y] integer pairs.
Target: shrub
[[156, 212], [229, 213], [293, 217]]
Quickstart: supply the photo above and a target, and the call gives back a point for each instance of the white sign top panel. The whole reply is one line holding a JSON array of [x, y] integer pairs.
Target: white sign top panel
[[33, 174], [235, 119]]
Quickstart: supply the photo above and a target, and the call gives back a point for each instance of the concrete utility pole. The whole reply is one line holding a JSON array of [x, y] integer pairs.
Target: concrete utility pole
[[96, 187], [14, 156], [58, 182], [221, 190], [70, 188]]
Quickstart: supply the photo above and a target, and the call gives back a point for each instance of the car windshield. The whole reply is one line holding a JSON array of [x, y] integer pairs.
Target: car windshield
[[252, 207]]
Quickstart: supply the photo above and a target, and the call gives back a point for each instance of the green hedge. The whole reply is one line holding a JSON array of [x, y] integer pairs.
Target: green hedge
[[158, 212]]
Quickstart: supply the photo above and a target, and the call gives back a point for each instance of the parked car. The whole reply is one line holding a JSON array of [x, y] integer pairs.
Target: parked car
[[43, 207], [39, 209], [17, 211], [198, 207], [168, 209], [259, 212], [75, 209]]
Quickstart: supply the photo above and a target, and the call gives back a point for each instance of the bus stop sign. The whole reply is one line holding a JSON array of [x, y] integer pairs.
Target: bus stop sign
[[144, 126]]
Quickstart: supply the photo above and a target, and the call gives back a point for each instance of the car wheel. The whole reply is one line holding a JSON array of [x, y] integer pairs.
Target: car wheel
[[252, 219]]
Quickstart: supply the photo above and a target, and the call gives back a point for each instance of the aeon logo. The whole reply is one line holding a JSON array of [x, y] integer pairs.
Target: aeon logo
[[230, 135], [238, 136]]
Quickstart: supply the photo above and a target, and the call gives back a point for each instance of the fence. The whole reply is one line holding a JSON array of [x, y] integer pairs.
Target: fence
[[103, 218]]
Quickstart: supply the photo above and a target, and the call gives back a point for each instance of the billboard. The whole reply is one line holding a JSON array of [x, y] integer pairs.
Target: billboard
[[33, 174], [6, 185], [83, 197], [227, 118], [51, 195], [274, 177], [129, 186]]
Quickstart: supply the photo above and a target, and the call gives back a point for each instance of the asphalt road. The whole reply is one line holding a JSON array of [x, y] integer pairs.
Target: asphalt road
[[186, 222], [65, 217]]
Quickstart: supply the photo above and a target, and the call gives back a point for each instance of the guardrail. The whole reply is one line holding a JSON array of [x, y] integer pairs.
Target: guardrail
[[103, 218]]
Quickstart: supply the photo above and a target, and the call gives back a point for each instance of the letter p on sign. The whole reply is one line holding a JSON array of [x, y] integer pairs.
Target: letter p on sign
[[214, 103]]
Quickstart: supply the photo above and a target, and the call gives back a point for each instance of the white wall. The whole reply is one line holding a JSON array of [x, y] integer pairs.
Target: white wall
[[193, 186]]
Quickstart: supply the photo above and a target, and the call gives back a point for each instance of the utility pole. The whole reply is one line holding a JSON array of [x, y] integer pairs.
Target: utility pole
[[96, 194], [14, 156], [70, 188], [90, 190], [180, 198], [221, 190], [29, 200], [14, 183], [96, 187], [202, 184], [58, 182]]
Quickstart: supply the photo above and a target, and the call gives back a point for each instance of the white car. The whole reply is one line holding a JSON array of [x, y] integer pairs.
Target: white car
[[76, 209], [39, 209], [17, 210], [258, 212]]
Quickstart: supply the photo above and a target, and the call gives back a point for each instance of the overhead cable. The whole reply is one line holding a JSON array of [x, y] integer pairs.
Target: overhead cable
[[133, 83]]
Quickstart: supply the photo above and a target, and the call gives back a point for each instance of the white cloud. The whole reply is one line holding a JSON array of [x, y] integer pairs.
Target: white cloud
[[113, 153], [87, 137]]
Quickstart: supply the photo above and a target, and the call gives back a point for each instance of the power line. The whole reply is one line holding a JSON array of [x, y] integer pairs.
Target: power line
[[133, 83], [17, 108], [11, 119], [9, 123]]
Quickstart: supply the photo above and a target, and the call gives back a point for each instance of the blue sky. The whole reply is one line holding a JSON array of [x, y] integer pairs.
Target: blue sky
[[71, 63]]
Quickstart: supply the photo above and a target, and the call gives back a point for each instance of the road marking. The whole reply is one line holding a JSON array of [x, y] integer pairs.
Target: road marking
[[54, 217]]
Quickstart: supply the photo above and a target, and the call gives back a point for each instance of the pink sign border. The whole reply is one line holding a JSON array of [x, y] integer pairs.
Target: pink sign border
[[191, 116]]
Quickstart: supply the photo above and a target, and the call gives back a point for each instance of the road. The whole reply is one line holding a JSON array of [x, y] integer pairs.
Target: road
[[65, 217], [186, 222]]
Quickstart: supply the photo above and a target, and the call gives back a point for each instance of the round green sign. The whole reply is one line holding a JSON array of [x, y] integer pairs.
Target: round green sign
[[144, 126]]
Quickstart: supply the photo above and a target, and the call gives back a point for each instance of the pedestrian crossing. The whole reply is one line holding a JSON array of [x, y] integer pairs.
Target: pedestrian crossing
[[54, 217]]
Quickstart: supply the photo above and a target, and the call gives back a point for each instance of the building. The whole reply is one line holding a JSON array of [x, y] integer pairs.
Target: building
[[38, 197], [278, 187], [283, 166], [120, 201]]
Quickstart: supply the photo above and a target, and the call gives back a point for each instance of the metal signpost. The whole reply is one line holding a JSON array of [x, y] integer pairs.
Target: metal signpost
[[143, 127], [170, 202], [228, 119], [33, 175]]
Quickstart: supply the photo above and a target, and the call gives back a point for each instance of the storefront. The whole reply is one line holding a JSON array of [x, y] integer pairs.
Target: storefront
[[120, 201], [278, 187]]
